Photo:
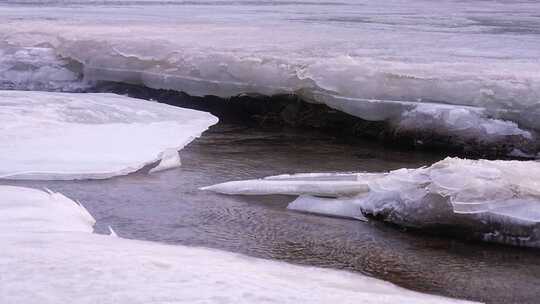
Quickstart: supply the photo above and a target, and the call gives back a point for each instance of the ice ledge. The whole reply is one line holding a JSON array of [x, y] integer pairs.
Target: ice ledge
[[468, 117], [90, 136]]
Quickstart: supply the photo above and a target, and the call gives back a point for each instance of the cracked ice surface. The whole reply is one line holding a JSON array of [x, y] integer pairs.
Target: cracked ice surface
[[49, 255], [499, 200], [80, 136]]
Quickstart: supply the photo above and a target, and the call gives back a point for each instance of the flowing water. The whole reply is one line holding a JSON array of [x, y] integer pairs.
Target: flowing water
[[168, 207]]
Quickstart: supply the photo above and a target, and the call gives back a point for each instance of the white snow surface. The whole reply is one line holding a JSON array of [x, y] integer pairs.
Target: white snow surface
[[379, 60], [81, 136], [479, 195], [49, 255]]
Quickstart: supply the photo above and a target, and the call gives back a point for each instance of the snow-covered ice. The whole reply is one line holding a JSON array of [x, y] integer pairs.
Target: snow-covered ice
[[499, 200], [49, 255], [80, 136], [467, 68]]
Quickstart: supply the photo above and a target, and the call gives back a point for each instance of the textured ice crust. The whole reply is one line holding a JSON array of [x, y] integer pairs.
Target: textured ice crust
[[462, 70], [496, 200], [49, 255], [37, 68], [82, 136]]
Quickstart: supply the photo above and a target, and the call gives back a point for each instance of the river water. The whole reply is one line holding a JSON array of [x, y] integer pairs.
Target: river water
[[168, 207]]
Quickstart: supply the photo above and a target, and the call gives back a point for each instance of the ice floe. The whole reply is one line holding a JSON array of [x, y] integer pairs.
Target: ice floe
[[80, 136], [49, 255], [494, 200]]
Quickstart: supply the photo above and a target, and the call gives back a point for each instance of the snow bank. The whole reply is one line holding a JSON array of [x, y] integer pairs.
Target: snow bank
[[50, 256], [496, 200], [480, 59], [80, 136]]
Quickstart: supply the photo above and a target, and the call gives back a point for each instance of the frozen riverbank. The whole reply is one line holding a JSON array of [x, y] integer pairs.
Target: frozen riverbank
[[412, 66]]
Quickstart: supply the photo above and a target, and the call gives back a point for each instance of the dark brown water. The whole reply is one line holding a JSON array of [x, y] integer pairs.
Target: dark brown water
[[168, 207]]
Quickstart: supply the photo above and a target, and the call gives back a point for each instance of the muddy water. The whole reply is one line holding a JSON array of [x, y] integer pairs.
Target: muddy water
[[168, 207]]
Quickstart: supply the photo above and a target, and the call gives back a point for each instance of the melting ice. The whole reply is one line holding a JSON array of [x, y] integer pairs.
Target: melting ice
[[496, 200]]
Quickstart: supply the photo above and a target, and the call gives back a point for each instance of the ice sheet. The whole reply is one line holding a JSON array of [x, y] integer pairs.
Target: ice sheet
[[50, 256], [479, 196], [80, 136], [376, 60]]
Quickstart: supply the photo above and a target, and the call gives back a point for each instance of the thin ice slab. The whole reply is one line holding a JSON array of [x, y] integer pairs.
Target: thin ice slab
[[83, 136]]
